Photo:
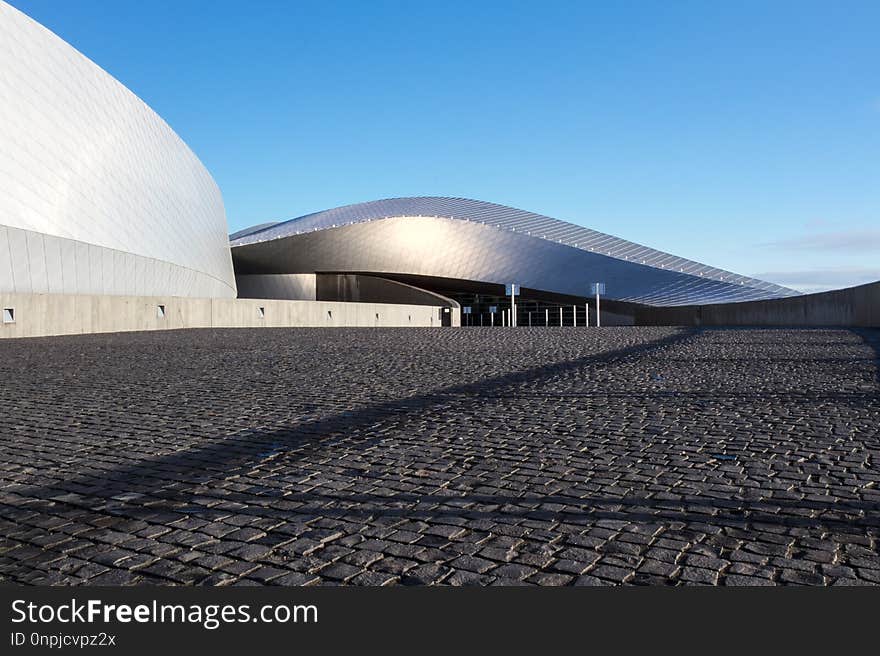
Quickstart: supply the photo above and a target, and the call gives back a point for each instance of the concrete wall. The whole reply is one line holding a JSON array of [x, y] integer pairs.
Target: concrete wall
[[37, 315], [611, 318], [854, 306]]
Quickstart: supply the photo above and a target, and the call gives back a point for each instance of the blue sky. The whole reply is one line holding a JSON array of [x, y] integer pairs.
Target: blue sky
[[744, 135]]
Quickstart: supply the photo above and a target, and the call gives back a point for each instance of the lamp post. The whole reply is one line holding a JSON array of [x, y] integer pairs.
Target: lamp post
[[598, 288]]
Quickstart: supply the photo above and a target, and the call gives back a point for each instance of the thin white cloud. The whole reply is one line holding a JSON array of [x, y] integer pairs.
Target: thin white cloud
[[850, 241], [816, 280]]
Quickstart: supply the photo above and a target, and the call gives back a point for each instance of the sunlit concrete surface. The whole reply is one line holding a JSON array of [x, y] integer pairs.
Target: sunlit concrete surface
[[380, 456], [40, 315]]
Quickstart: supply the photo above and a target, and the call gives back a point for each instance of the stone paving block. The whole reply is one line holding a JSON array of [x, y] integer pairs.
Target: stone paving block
[[368, 578], [739, 580], [473, 564]]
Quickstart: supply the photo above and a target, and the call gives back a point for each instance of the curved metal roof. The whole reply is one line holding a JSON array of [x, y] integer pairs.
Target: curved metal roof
[[512, 220]]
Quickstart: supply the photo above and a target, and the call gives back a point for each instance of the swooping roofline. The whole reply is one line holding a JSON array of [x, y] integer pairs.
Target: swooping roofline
[[503, 218]]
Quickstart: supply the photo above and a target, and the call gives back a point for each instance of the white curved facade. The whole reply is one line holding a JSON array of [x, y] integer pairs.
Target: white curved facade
[[97, 194], [471, 240]]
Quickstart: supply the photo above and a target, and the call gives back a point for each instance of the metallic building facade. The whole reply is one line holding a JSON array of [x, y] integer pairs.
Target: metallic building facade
[[97, 194], [439, 239]]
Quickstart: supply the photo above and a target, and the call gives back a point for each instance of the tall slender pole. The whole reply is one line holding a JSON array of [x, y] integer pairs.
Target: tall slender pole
[[587, 315], [574, 315], [598, 317], [512, 321], [560, 316], [547, 317]]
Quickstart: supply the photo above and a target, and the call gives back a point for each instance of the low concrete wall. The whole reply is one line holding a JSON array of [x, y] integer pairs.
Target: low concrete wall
[[854, 306], [610, 318], [37, 315]]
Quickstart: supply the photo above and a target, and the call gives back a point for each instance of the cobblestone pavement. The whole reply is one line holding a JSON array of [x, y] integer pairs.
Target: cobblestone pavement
[[476, 456]]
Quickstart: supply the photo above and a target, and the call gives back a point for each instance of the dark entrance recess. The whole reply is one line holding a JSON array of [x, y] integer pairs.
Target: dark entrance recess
[[445, 317], [481, 296]]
